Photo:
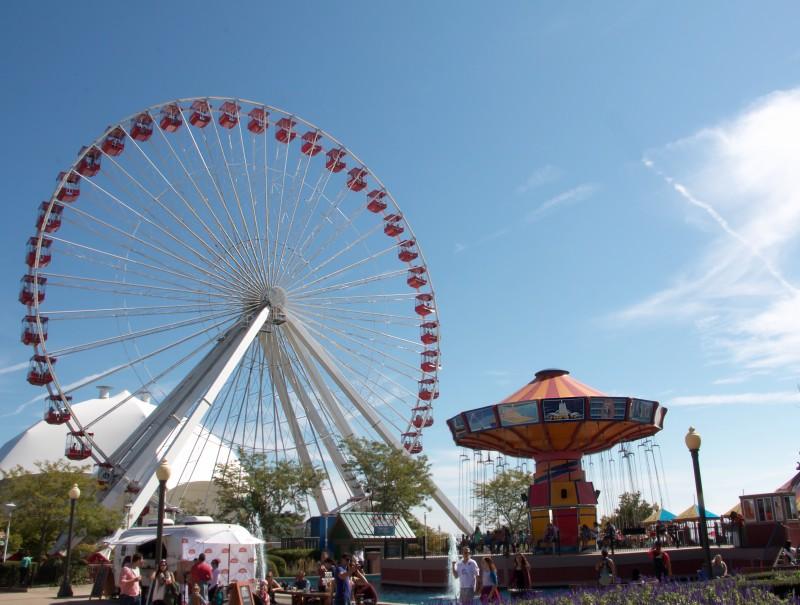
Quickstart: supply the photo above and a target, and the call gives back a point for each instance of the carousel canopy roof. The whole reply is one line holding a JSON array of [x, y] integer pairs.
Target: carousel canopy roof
[[556, 413], [693, 514], [660, 515]]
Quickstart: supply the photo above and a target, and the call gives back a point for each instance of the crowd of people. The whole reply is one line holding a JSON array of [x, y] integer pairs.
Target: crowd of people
[[501, 540]]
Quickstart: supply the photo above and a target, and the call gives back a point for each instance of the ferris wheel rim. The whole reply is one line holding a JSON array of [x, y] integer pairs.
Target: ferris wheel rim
[[41, 348]]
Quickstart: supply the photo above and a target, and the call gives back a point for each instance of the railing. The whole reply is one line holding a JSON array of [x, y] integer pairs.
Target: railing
[[302, 542]]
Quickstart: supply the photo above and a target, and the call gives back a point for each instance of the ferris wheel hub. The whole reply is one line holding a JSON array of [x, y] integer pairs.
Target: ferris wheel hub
[[276, 297]]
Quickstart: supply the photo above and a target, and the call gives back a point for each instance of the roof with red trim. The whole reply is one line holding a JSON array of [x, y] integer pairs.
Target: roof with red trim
[[551, 384]]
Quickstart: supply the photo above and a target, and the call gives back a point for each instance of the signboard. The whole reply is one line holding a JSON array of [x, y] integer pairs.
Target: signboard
[[482, 419], [459, 428], [556, 410], [608, 408], [383, 530], [642, 410], [523, 412]]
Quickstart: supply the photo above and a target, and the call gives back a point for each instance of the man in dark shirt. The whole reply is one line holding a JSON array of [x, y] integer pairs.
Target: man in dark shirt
[[342, 576], [201, 575]]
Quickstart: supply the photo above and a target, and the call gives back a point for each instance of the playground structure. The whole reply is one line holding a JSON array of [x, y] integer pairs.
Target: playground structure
[[556, 420]]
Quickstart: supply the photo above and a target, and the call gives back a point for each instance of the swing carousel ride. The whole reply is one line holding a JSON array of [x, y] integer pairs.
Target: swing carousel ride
[[556, 420]]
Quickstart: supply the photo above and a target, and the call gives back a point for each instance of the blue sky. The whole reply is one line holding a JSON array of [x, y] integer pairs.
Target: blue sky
[[608, 188]]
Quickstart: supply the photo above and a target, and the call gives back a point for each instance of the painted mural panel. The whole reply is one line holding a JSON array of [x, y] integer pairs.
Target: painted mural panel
[[523, 412]]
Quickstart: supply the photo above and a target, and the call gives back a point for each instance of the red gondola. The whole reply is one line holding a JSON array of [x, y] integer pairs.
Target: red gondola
[[44, 255], [258, 120], [375, 201], [407, 252], [358, 179], [170, 118], [134, 487], [413, 447], [430, 360], [311, 146], [71, 188], [424, 306], [428, 390], [105, 474], [77, 447], [39, 372], [114, 143], [142, 127], [429, 332], [53, 221], [229, 114], [393, 226], [415, 279], [285, 132], [422, 421], [56, 412], [201, 115], [90, 162], [334, 162], [30, 331], [26, 292]]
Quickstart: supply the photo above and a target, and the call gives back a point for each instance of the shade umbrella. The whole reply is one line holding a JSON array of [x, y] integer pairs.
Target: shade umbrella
[[659, 515], [232, 535]]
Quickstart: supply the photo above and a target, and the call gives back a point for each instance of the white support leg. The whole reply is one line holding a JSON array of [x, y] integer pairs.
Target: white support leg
[[296, 328], [318, 423], [165, 432], [276, 375]]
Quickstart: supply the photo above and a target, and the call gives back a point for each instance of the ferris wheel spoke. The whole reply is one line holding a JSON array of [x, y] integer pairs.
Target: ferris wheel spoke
[[115, 283], [324, 329], [351, 284], [345, 269], [223, 279], [232, 262], [106, 312], [323, 317], [139, 334], [312, 204], [259, 235], [96, 252], [279, 218], [359, 240], [249, 239], [358, 315]]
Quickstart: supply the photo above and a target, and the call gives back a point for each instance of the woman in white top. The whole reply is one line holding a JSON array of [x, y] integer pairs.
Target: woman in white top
[[161, 581], [489, 590]]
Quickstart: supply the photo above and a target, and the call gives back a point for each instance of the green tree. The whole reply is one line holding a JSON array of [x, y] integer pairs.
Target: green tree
[[43, 505], [256, 492], [632, 509], [396, 483], [500, 500]]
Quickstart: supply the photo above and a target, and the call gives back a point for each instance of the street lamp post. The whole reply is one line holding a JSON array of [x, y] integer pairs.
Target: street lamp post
[[66, 585], [425, 536], [163, 473], [10, 506], [693, 442]]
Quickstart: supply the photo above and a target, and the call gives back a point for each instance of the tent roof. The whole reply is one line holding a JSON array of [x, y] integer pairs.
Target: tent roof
[[693, 513], [366, 525], [550, 384], [736, 508], [791, 485], [659, 515]]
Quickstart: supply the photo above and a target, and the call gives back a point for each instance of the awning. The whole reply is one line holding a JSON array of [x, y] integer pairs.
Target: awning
[[136, 539]]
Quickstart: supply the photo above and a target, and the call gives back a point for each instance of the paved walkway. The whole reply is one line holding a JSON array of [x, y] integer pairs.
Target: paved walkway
[[47, 595]]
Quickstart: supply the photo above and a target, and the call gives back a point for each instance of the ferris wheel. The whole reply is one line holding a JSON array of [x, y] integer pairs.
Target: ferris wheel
[[251, 273]]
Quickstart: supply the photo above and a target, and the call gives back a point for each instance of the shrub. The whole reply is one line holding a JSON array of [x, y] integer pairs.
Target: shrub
[[278, 562]]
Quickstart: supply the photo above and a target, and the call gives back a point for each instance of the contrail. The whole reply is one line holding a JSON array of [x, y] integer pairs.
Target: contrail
[[15, 368], [720, 220]]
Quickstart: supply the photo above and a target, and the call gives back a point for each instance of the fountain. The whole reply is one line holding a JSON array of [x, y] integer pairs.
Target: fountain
[[452, 555], [261, 551]]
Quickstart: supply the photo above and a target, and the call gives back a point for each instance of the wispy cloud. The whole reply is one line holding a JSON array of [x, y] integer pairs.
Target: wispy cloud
[[541, 176], [739, 292], [571, 196], [776, 398]]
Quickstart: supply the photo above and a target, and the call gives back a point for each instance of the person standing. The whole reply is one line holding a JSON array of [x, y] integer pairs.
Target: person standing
[[161, 584], [129, 587], [662, 566], [606, 569], [719, 569], [214, 587], [201, 575], [522, 572], [25, 569], [343, 584], [467, 572]]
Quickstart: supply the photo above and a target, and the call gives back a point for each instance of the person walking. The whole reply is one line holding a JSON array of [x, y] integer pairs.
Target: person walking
[[467, 572], [606, 569], [25, 569], [490, 593], [343, 583], [129, 587], [201, 573]]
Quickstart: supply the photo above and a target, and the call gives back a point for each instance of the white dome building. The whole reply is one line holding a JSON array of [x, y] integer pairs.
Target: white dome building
[[111, 421]]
